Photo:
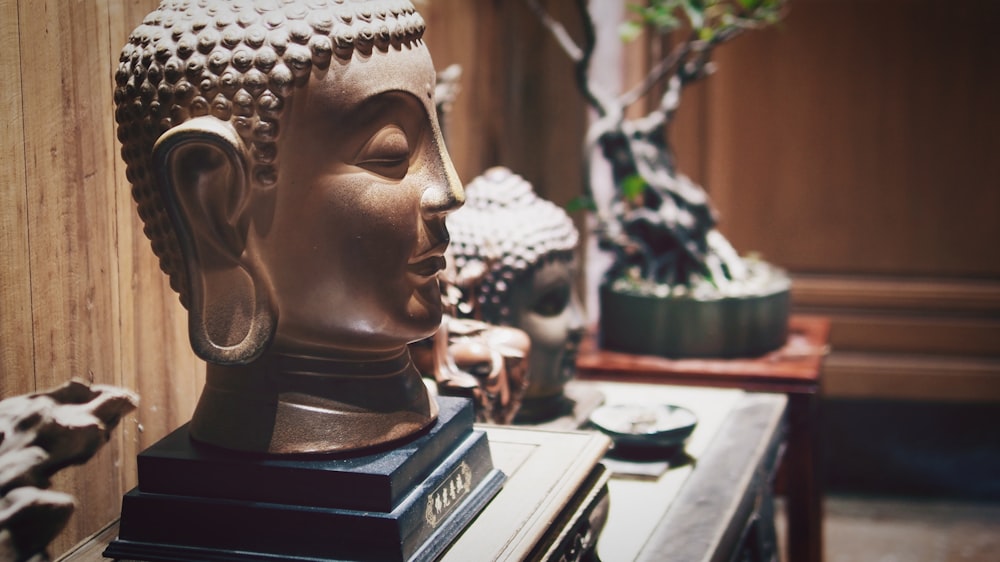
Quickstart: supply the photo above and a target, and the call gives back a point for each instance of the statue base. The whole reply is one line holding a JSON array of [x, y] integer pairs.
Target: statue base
[[408, 504]]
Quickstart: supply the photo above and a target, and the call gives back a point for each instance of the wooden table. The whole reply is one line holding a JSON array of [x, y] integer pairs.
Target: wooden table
[[795, 370], [556, 494]]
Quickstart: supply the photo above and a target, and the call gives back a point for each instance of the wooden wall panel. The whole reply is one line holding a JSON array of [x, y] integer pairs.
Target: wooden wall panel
[[957, 317], [546, 115], [80, 292], [17, 364], [462, 33], [855, 144], [885, 376], [944, 333], [859, 137], [71, 225]]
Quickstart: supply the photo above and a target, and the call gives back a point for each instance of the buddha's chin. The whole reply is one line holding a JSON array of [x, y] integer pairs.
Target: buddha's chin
[[424, 310]]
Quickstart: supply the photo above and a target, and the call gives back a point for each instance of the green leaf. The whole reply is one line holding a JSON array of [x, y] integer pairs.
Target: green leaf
[[695, 12], [659, 14], [629, 30], [636, 8], [633, 186], [663, 21], [581, 203]]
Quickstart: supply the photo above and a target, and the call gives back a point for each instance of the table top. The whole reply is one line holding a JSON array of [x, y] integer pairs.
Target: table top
[[794, 368], [545, 470], [638, 504], [646, 513]]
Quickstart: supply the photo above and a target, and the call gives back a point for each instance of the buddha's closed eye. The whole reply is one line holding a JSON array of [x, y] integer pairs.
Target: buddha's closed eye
[[386, 153], [553, 301]]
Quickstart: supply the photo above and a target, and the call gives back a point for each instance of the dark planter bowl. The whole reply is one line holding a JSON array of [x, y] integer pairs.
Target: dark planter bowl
[[689, 327]]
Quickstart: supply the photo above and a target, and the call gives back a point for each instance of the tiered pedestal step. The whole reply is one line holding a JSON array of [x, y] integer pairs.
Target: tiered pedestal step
[[406, 504]]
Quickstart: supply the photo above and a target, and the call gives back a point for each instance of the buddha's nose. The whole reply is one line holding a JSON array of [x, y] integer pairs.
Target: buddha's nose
[[577, 321], [445, 193]]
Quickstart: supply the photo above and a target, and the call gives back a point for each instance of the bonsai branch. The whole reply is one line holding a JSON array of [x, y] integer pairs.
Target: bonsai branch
[[581, 56], [659, 225]]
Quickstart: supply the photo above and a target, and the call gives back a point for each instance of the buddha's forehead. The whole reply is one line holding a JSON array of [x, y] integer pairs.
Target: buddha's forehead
[[406, 69]]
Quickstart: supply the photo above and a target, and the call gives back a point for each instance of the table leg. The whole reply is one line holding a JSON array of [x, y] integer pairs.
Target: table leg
[[802, 477]]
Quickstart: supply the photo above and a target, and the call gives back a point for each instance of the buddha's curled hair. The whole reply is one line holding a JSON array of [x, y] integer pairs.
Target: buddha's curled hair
[[503, 232], [239, 61]]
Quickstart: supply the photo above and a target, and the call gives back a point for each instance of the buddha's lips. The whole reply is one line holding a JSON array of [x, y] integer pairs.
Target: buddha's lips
[[427, 267]]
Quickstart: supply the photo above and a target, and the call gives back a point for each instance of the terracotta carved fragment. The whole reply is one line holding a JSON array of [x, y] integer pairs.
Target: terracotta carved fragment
[[40, 434], [289, 169], [514, 257]]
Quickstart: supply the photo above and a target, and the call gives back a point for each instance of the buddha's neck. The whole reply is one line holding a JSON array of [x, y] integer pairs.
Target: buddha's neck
[[285, 403], [298, 364], [279, 364]]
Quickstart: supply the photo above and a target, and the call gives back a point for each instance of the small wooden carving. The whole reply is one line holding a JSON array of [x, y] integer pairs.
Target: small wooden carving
[[43, 433], [476, 360]]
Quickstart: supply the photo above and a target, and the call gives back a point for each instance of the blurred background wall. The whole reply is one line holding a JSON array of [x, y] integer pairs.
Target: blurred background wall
[[855, 144]]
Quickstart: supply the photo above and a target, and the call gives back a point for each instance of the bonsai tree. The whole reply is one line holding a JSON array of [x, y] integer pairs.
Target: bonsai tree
[[660, 226]]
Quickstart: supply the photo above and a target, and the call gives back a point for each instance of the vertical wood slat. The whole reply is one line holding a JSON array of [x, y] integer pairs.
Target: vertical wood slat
[[544, 112], [71, 221], [17, 364], [129, 427], [458, 32]]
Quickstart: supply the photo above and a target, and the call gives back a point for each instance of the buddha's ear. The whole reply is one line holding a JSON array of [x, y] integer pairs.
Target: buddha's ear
[[201, 167]]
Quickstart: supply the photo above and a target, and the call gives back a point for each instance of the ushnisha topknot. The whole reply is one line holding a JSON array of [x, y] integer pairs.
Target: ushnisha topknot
[[239, 61], [502, 233]]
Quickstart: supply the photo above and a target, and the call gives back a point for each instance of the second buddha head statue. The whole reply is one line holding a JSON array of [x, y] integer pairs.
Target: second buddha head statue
[[514, 260]]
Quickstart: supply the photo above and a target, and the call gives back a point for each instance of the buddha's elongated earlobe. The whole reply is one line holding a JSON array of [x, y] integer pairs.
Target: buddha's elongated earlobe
[[201, 168]]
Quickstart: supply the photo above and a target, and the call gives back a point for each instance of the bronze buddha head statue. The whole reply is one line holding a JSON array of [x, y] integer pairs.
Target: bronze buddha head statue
[[290, 172], [514, 261]]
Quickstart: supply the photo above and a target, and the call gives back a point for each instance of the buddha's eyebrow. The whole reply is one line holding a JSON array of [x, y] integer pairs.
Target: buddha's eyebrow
[[398, 106]]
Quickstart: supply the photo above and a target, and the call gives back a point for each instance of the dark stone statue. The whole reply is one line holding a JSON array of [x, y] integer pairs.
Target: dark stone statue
[[514, 261]]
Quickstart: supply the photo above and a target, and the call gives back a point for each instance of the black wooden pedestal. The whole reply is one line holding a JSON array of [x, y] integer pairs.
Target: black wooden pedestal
[[406, 504]]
